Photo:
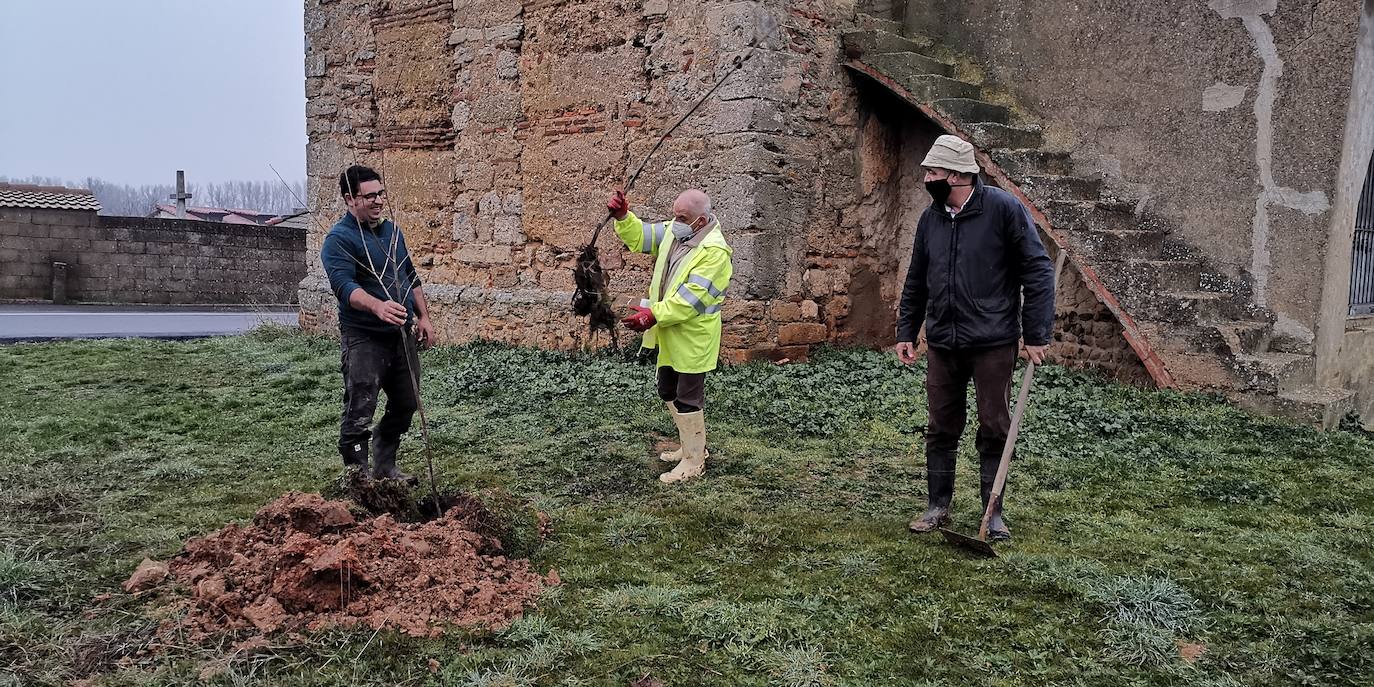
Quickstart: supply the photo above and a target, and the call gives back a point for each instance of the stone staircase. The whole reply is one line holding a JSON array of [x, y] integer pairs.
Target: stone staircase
[[1194, 327]]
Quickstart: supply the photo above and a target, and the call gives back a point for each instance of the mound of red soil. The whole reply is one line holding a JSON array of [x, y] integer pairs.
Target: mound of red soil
[[307, 563]]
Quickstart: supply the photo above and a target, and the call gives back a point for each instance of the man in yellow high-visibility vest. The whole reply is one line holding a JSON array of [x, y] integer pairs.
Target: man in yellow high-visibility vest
[[681, 316]]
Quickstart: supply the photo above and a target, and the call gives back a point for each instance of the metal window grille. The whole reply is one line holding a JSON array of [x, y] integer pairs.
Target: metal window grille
[[1362, 259]]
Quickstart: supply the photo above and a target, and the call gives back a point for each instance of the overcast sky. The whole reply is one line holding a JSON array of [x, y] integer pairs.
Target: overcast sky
[[132, 90]]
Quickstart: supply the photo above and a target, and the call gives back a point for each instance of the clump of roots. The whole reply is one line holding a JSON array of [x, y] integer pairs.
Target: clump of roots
[[591, 298]]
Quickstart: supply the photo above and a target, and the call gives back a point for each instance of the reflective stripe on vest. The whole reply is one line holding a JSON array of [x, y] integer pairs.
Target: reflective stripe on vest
[[653, 235], [691, 297], [705, 283]]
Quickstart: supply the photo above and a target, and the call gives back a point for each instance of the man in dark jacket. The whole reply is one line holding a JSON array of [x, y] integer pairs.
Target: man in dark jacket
[[382, 315], [976, 253]]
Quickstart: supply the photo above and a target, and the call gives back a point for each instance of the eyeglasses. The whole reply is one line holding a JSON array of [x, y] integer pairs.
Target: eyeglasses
[[370, 197]]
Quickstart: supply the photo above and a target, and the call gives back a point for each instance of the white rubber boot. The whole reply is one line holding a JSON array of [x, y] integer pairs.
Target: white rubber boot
[[692, 428], [675, 455]]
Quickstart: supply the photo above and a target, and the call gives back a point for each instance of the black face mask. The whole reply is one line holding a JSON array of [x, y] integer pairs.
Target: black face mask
[[940, 189]]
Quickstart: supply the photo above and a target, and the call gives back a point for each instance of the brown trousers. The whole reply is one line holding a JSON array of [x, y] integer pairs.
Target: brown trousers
[[686, 391], [948, 373]]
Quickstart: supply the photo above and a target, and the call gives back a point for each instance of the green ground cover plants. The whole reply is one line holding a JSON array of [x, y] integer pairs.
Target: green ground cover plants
[[1143, 521]]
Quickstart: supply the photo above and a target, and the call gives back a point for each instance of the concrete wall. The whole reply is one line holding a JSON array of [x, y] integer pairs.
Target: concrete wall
[[1228, 114], [139, 260], [1340, 355], [1356, 367]]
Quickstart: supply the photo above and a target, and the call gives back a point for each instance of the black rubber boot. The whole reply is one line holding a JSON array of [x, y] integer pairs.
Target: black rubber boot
[[940, 492], [987, 475], [354, 456], [384, 460]]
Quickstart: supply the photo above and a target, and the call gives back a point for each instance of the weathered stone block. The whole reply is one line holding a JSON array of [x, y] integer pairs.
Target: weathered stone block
[[511, 31], [506, 230], [464, 231], [800, 333], [496, 108], [768, 75], [483, 254], [463, 35], [785, 311], [837, 306]]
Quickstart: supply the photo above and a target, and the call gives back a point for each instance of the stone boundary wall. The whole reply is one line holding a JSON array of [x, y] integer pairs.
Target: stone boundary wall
[[147, 260]]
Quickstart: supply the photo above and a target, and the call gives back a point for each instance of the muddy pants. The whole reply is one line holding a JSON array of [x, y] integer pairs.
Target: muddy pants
[[947, 376], [374, 362], [686, 391]]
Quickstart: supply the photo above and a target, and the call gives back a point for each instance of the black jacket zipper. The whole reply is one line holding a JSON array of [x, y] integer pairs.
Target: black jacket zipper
[[953, 282]]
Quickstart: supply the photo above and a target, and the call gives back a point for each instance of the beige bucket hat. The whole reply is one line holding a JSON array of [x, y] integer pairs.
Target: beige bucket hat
[[951, 152]]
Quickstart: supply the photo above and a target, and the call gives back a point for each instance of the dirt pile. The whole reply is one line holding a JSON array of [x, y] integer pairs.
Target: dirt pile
[[308, 563]]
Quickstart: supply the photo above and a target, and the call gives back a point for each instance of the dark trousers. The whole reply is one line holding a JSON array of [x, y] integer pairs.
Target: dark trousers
[[373, 363], [947, 376], [686, 391]]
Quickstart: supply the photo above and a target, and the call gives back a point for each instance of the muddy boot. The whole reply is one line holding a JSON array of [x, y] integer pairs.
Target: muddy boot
[[940, 491], [678, 454], [384, 460], [997, 527], [692, 428], [675, 455], [354, 456], [388, 470]]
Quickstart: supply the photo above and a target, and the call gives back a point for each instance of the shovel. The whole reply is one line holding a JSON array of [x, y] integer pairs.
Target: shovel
[[980, 543]]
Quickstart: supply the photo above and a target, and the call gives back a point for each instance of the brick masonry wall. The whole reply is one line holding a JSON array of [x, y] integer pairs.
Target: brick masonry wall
[[144, 260], [500, 127]]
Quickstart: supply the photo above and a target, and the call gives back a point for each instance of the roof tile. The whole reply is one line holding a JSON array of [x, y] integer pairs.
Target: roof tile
[[47, 197]]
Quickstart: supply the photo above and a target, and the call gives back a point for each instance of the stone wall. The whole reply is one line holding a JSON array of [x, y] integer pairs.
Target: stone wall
[[141, 260], [1087, 335], [501, 126], [1227, 116]]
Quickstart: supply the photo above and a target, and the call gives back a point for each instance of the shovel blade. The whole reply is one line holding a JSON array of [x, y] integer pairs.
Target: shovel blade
[[966, 542]]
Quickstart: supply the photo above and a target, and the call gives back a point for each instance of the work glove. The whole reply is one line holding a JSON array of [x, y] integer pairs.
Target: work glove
[[641, 320], [618, 205]]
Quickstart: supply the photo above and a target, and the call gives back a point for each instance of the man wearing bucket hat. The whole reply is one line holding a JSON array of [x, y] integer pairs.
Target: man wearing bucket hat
[[976, 257]]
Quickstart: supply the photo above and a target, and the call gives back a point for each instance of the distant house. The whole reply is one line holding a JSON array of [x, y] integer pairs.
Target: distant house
[[47, 197], [296, 219]]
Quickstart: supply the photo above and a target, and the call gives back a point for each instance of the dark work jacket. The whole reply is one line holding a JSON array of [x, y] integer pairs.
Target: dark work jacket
[[967, 275], [354, 259]]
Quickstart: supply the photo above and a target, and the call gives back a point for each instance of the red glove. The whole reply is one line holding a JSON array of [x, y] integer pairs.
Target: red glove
[[641, 321], [617, 205]]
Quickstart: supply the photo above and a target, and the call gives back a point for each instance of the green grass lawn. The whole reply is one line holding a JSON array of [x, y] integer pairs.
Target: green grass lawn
[[1142, 519]]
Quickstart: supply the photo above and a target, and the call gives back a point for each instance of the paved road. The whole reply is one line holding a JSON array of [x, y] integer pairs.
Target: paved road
[[45, 322]]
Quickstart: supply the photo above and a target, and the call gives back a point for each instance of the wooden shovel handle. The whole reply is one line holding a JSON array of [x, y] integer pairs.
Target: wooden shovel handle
[[995, 498]]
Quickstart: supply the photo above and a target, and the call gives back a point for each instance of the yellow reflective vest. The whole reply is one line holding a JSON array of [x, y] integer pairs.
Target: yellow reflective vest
[[687, 333]]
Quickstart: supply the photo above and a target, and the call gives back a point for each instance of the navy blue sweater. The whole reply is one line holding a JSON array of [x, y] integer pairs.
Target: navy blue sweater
[[968, 274], [374, 260]]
